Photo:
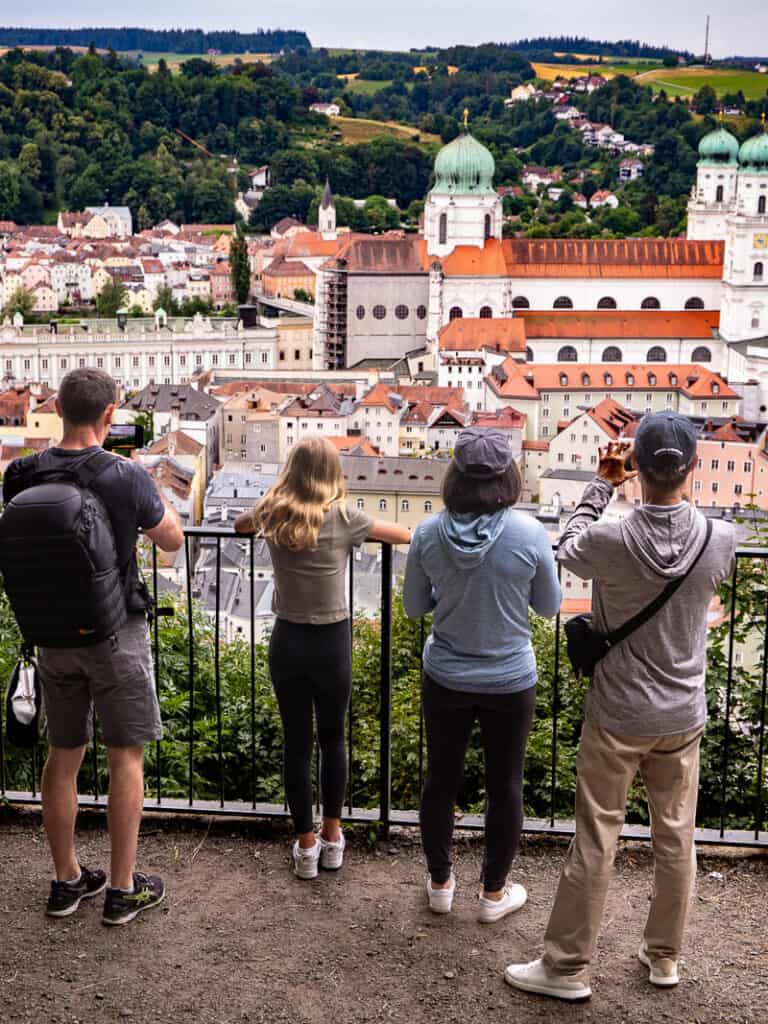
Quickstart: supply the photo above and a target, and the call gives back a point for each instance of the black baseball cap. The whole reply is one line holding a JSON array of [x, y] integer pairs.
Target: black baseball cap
[[482, 454], [663, 438]]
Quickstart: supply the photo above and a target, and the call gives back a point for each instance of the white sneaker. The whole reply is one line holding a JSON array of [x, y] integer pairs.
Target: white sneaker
[[441, 900], [305, 861], [662, 971], [331, 854], [513, 899], [535, 977]]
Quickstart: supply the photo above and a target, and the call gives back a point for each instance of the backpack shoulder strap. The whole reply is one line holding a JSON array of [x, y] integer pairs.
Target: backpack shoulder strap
[[655, 606], [84, 474]]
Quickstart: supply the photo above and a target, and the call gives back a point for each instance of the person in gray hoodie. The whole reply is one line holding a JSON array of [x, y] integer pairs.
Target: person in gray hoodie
[[479, 566], [646, 706]]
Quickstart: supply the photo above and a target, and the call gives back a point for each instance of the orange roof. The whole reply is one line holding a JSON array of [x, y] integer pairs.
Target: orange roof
[[380, 394], [610, 258], [469, 334], [354, 445], [309, 243], [470, 260], [504, 418], [281, 267], [609, 323], [613, 418], [526, 380], [433, 395], [536, 446], [181, 443], [575, 605]]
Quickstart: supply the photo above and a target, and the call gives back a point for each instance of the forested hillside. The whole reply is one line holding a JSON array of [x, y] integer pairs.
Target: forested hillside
[[181, 40]]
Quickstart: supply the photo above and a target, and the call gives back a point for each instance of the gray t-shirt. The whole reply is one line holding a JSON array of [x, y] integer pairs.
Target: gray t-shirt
[[311, 585]]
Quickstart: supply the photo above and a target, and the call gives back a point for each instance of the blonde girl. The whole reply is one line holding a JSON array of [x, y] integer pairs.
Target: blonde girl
[[310, 534]]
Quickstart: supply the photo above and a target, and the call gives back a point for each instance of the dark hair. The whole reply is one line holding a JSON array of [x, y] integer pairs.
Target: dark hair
[[668, 475], [462, 493], [84, 395]]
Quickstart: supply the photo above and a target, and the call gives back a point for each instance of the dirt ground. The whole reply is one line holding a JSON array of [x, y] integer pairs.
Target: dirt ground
[[240, 939]]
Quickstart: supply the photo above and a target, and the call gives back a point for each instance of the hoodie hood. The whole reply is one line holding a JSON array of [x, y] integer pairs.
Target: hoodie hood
[[666, 541], [469, 538]]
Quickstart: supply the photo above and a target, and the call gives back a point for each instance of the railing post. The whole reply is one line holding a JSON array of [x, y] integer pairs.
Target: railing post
[[385, 692]]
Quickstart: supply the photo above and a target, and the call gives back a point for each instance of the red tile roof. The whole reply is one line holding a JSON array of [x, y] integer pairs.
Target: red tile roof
[[612, 258], [609, 323], [470, 334], [506, 418], [526, 380]]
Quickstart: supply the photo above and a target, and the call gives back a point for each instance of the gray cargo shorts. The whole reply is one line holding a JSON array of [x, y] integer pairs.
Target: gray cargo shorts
[[115, 676]]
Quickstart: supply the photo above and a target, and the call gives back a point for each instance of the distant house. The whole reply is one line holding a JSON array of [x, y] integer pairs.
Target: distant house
[[329, 109], [588, 83], [260, 177], [630, 169], [533, 176], [568, 114], [604, 198], [286, 227], [522, 94], [117, 218]]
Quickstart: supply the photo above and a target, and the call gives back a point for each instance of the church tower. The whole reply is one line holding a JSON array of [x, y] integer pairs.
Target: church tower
[[713, 196], [326, 217], [744, 309], [463, 207]]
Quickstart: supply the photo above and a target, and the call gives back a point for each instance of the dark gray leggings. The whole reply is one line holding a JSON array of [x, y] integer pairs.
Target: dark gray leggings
[[505, 722], [311, 669]]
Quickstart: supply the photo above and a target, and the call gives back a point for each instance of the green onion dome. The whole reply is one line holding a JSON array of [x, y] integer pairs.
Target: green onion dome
[[753, 155], [719, 147], [464, 168]]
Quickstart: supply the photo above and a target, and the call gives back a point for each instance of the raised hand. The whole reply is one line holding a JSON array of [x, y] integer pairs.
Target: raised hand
[[613, 463]]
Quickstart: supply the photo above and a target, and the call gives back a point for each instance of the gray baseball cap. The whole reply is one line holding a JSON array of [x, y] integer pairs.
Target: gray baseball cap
[[664, 437], [482, 454]]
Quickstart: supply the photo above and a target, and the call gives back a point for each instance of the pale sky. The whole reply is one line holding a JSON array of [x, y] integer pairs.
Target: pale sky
[[740, 27]]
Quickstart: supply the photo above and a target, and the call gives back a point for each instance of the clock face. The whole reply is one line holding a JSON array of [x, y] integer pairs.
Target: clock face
[[760, 241]]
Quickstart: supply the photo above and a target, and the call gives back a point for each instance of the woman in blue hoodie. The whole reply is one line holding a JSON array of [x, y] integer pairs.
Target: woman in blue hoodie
[[478, 566]]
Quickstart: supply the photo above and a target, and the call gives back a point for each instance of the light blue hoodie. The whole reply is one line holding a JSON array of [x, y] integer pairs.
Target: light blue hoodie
[[480, 574]]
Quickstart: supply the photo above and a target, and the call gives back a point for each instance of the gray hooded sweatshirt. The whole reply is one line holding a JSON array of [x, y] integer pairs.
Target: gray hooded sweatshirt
[[652, 684]]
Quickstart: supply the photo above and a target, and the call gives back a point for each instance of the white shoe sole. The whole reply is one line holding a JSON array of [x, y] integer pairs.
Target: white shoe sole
[[438, 903], [306, 873], [332, 857], [570, 996], [76, 906], [488, 915], [660, 981]]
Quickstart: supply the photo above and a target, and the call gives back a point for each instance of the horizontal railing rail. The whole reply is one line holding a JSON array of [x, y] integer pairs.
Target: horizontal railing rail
[[221, 753]]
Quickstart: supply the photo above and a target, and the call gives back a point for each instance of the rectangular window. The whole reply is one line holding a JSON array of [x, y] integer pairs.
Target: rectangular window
[[166, 360], [715, 486], [697, 485], [545, 431], [560, 457], [737, 489], [215, 359], [265, 357], [715, 464], [730, 465], [27, 364], [63, 364], [135, 361], [248, 357], [44, 364], [232, 358], [747, 467], [118, 361], [152, 361], [81, 363]]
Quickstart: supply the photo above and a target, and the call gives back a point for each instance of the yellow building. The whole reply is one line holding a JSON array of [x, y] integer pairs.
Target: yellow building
[[398, 490]]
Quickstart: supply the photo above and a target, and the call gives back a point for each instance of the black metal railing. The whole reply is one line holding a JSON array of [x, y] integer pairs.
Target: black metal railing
[[222, 749]]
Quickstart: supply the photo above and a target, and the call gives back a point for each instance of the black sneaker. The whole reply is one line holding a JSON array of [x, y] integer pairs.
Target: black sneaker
[[66, 896], [121, 907]]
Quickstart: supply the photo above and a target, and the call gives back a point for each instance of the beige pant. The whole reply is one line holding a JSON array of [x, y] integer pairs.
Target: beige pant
[[606, 765]]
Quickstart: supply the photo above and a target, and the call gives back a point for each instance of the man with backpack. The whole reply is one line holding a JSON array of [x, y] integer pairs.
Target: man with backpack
[[646, 706], [68, 557]]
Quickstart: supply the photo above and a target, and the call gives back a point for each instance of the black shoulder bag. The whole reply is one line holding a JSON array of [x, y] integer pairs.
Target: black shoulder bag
[[586, 646]]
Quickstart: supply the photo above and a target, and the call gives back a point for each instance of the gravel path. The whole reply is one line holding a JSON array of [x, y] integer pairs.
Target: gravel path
[[239, 939]]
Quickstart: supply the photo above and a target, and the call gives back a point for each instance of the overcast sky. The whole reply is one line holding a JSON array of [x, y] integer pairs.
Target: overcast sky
[[741, 26]]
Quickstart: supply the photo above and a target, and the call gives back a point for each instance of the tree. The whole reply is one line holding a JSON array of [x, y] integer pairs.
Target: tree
[[9, 190], [111, 297], [239, 269], [20, 301], [705, 100], [165, 300], [381, 216]]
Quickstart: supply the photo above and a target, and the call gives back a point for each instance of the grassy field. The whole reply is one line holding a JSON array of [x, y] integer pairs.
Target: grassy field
[[175, 60], [687, 81], [608, 69], [367, 86], [360, 129]]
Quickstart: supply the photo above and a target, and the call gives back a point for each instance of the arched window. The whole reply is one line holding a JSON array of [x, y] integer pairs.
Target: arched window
[[382, 504], [567, 354], [427, 506], [719, 194], [607, 303], [695, 303], [608, 378], [487, 225], [456, 313], [612, 354], [486, 313], [563, 302], [520, 302], [656, 355], [443, 228], [360, 311], [529, 354], [563, 380], [761, 202], [361, 503], [630, 378], [652, 380], [405, 505], [401, 312], [585, 380], [650, 303], [701, 355], [379, 312], [758, 272]]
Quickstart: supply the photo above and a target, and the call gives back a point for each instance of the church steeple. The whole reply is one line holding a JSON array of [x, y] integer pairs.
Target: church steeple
[[326, 218]]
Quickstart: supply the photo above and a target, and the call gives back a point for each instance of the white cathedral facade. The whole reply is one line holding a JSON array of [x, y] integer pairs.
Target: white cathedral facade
[[583, 300]]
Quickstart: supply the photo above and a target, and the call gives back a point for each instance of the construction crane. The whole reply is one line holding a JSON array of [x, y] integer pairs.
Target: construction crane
[[233, 167]]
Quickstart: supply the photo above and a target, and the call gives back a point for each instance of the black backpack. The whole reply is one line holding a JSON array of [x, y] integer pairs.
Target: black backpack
[[59, 559]]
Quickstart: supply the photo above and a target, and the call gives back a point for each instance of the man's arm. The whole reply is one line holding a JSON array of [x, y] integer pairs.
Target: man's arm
[[577, 550], [169, 533]]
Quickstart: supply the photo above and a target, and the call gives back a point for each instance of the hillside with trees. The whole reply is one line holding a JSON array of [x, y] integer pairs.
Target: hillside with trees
[[181, 40]]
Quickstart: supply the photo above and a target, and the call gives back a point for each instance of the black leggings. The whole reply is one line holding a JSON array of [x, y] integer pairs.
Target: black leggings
[[505, 721], [312, 666]]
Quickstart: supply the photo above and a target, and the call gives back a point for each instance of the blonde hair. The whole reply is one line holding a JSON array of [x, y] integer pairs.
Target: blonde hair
[[291, 513]]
